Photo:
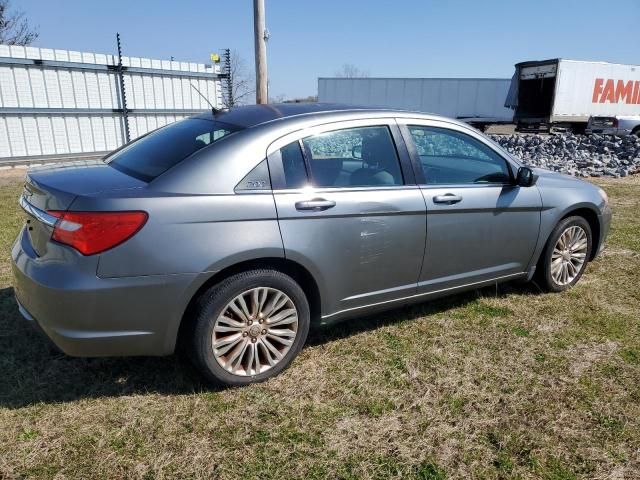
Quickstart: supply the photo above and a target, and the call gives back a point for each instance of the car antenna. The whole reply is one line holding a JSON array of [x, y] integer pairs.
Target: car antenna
[[214, 110]]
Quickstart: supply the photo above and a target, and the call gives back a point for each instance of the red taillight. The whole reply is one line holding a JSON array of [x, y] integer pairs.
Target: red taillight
[[95, 232]]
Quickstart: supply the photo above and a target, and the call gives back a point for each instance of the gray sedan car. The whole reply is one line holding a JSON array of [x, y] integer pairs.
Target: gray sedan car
[[230, 233]]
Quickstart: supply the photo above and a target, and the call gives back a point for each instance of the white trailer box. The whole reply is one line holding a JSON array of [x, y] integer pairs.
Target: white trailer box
[[478, 100], [567, 92]]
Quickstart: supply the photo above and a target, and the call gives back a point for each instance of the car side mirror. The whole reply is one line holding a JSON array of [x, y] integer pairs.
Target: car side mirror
[[526, 177]]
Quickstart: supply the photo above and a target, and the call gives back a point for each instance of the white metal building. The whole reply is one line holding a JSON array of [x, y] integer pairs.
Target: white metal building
[[452, 97], [65, 103]]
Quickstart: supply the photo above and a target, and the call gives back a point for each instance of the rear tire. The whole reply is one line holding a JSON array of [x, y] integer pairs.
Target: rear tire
[[565, 255], [249, 327]]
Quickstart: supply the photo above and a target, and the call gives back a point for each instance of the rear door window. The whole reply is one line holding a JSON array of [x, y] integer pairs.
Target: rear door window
[[354, 157], [295, 172], [288, 167], [155, 153]]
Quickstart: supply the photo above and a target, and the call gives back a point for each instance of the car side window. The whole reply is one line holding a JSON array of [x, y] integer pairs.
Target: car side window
[[294, 169], [451, 157], [354, 157], [288, 168]]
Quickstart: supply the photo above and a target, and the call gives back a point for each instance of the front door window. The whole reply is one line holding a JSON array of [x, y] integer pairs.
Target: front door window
[[454, 158]]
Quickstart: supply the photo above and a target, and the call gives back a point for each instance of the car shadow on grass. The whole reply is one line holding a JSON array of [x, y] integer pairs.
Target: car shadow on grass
[[412, 312], [33, 371]]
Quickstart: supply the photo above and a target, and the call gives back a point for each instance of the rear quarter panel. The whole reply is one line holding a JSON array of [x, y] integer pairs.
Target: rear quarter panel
[[190, 233]]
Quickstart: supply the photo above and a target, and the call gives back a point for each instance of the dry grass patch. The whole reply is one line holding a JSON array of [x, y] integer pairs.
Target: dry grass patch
[[489, 384]]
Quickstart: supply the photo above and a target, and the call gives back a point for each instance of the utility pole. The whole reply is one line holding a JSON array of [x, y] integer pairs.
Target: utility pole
[[260, 39]]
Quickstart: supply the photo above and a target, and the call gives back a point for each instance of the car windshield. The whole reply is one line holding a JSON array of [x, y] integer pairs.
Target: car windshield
[[155, 153]]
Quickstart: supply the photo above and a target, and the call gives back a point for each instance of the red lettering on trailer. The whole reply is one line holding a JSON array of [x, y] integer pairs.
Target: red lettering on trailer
[[597, 90], [624, 91], [616, 91], [608, 94]]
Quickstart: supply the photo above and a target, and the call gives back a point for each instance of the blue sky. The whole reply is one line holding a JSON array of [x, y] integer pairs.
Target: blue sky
[[405, 38]]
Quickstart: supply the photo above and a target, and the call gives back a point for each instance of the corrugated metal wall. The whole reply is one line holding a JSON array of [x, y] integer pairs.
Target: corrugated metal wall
[[59, 102], [452, 97]]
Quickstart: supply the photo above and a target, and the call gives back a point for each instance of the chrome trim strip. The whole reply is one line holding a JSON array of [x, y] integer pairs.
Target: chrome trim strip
[[504, 277], [38, 214]]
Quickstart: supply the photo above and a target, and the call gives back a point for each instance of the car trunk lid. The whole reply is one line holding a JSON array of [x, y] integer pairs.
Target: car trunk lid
[[56, 187]]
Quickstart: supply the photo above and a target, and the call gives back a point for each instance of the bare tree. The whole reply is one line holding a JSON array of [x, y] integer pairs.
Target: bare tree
[[308, 99], [349, 70], [282, 98], [242, 82], [14, 28]]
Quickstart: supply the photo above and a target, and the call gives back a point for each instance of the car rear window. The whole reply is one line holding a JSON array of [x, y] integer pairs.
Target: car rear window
[[155, 153]]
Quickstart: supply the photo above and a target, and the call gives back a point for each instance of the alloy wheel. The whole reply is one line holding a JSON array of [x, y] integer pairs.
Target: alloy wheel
[[255, 331], [569, 255]]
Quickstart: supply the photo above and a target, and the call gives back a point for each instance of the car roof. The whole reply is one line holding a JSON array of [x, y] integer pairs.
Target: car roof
[[251, 115]]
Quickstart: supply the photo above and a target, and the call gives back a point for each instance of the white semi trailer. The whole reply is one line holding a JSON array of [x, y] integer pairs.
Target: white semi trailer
[[479, 101], [563, 94]]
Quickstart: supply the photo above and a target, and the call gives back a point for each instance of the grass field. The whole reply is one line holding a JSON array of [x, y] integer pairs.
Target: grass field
[[491, 384]]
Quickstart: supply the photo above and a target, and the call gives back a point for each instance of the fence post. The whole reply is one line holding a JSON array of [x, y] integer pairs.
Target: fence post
[[123, 93], [228, 79]]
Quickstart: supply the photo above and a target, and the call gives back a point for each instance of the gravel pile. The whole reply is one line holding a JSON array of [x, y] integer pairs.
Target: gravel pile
[[578, 155]]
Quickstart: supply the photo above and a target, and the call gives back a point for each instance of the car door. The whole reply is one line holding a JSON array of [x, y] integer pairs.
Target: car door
[[350, 212], [480, 224]]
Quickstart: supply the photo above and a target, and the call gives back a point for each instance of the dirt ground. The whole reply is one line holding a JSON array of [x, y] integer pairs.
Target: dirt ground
[[11, 175], [506, 129]]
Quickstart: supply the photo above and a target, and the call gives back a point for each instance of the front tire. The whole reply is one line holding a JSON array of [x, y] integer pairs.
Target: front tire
[[249, 327], [566, 254]]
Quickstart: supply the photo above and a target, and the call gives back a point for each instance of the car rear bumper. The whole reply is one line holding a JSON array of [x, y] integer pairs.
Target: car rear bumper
[[88, 316]]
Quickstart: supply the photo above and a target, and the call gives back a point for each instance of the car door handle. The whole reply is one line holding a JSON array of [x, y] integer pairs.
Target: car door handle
[[315, 205], [447, 198]]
